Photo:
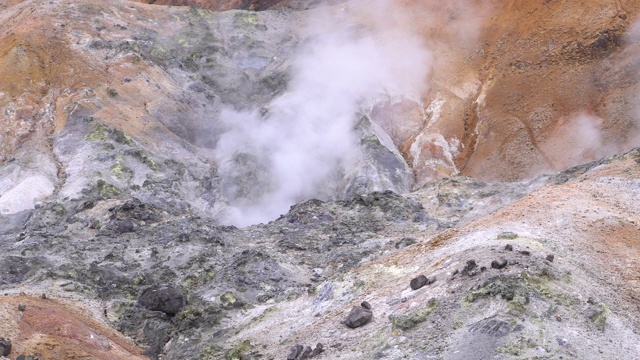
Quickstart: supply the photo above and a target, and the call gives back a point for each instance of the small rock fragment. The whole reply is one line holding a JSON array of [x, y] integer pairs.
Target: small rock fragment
[[124, 226], [27, 357], [44, 296], [306, 353], [508, 247], [507, 235], [468, 269], [358, 316], [550, 257], [22, 307], [366, 305], [562, 341], [525, 252], [499, 264], [319, 348], [418, 282], [5, 347], [405, 242], [295, 351]]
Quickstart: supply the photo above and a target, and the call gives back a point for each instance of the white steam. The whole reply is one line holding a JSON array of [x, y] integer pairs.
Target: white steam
[[299, 147]]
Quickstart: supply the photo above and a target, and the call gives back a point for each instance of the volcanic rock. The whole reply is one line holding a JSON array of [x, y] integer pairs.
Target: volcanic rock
[[166, 298], [499, 264], [359, 316], [5, 347]]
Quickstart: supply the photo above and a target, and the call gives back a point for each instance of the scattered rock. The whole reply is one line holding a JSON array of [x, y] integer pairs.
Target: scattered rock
[[165, 298], [418, 282], [508, 247], [508, 235], [300, 352], [22, 307], [295, 351], [412, 319], [27, 357], [562, 341], [550, 257], [358, 316], [124, 226], [366, 305], [5, 347], [306, 353], [525, 252], [319, 348], [469, 269], [404, 242], [317, 274], [499, 264], [598, 314], [230, 300]]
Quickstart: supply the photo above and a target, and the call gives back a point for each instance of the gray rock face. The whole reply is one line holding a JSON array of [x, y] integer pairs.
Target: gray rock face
[[165, 298]]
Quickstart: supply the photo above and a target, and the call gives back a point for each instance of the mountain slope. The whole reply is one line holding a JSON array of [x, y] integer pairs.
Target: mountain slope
[[450, 140]]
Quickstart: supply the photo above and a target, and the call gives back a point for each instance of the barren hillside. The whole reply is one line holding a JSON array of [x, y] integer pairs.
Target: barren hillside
[[230, 179]]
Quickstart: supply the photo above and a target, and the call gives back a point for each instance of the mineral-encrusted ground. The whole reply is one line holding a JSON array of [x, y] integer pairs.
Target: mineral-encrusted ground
[[111, 245]]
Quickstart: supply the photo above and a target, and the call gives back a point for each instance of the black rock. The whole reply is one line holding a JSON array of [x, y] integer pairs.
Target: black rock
[[5, 347], [358, 316], [550, 257], [300, 352], [404, 242], [295, 351], [468, 269], [508, 247], [366, 305], [124, 226], [22, 307], [165, 298], [306, 353], [319, 348], [525, 252], [418, 282], [27, 357], [499, 264]]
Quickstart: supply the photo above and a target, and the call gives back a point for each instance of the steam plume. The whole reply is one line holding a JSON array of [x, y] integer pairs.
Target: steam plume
[[299, 147]]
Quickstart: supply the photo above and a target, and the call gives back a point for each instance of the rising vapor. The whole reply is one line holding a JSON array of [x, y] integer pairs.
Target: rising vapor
[[302, 144]]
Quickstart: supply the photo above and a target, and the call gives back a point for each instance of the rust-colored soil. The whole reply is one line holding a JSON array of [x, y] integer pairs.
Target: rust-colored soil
[[55, 329]]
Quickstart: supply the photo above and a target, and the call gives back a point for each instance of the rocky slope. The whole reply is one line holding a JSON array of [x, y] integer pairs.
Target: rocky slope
[[133, 135]]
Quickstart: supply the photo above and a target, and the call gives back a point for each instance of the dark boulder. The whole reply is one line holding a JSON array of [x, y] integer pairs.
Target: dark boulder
[[165, 298], [499, 264], [418, 282], [359, 316], [5, 347]]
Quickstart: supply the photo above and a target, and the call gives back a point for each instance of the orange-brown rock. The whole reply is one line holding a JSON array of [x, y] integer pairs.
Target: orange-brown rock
[[59, 329]]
